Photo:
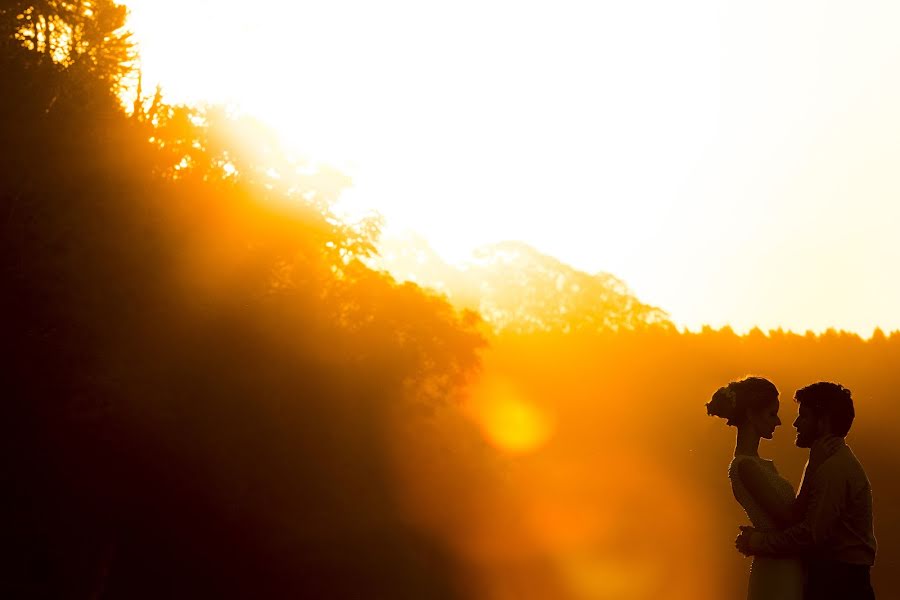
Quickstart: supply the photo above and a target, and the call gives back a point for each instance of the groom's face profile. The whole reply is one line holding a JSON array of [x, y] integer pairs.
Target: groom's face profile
[[808, 426]]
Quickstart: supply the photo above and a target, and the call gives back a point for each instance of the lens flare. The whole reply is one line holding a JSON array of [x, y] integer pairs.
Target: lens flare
[[508, 420]]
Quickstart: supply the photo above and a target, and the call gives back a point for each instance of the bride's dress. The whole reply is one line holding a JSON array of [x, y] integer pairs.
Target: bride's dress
[[770, 578]]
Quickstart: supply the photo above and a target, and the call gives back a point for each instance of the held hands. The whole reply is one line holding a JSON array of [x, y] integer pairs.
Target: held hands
[[744, 542]]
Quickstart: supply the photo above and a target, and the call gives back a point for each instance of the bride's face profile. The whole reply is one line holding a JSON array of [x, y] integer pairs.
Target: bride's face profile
[[765, 420]]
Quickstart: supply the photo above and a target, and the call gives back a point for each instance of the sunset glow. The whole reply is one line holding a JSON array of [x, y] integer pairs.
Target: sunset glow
[[734, 164], [485, 300]]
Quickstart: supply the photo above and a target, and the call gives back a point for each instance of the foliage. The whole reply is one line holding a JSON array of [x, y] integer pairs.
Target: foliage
[[83, 38], [181, 313], [516, 288]]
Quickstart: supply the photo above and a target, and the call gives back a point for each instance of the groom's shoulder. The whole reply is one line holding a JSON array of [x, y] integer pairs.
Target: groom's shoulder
[[843, 463]]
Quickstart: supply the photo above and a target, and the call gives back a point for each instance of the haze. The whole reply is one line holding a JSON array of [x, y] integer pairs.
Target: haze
[[733, 163]]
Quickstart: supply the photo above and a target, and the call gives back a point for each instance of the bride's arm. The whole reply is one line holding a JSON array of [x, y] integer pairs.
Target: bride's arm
[[758, 485]]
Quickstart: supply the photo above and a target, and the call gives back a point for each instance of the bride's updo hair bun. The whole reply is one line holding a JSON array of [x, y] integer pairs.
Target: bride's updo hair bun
[[723, 404], [734, 401]]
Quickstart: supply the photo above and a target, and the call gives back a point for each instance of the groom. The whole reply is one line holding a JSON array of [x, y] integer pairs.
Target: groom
[[833, 528]]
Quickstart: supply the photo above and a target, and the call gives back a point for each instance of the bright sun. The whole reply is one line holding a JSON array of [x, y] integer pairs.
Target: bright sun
[[465, 121], [655, 140]]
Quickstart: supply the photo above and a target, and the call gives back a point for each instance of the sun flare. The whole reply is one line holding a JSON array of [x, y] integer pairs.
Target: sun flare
[[508, 420]]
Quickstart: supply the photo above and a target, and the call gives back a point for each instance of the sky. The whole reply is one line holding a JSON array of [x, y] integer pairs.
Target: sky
[[733, 162]]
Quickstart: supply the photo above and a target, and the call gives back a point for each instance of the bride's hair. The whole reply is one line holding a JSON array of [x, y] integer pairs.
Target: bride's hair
[[733, 401]]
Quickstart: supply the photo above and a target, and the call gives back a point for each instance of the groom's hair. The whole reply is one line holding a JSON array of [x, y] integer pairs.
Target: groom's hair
[[833, 400]]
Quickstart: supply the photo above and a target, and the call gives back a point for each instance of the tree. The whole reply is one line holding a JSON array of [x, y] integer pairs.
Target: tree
[[198, 368], [84, 36], [515, 287]]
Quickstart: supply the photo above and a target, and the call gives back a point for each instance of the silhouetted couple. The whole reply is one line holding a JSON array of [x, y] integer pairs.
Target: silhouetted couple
[[820, 543]]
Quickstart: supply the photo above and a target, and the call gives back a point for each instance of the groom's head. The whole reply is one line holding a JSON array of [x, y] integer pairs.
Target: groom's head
[[825, 409]]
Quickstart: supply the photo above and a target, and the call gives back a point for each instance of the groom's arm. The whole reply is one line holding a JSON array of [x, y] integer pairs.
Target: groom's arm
[[823, 509]]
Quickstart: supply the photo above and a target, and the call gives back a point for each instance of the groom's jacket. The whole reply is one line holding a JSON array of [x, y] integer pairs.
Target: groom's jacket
[[835, 511]]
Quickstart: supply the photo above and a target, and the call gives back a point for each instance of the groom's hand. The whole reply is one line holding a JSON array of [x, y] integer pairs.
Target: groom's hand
[[743, 542], [823, 448]]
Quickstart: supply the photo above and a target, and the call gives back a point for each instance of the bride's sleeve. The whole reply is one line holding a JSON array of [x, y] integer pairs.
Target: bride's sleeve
[[760, 487]]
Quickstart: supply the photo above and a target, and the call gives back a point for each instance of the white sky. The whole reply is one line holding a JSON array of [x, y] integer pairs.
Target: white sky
[[733, 162]]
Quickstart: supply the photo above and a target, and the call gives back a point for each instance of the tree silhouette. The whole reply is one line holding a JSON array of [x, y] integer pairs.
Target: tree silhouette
[[202, 377]]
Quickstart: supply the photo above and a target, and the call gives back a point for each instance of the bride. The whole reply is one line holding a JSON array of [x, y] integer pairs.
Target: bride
[[751, 405]]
